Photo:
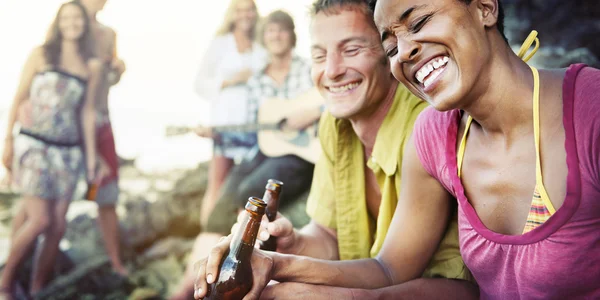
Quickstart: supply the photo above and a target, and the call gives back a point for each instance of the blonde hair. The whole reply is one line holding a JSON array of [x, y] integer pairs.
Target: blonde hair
[[229, 19]]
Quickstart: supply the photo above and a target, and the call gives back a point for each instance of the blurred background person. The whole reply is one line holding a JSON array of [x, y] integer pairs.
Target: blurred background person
[[59, 79], [286, 76], [232, 57], [103, 41], [105, 49]]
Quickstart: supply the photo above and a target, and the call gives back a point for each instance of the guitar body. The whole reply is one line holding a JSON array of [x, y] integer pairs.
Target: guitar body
[[274, 143]]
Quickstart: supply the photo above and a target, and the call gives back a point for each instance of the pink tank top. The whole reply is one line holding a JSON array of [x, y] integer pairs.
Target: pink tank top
[[560, 259]]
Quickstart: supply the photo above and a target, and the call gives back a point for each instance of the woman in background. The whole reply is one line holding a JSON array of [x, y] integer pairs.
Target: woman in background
[[59, 79], [232, 57]]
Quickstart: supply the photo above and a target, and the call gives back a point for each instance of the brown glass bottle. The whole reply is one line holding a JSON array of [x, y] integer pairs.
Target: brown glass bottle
[[235, 272], [271, 198], [92, 191]]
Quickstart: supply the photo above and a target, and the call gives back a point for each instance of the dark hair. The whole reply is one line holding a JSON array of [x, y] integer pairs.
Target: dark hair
[[278, 17], [53, 45], [499, 23], [335, 6]]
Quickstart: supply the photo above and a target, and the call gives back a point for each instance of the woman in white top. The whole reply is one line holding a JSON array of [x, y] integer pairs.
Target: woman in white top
[[232, 57]]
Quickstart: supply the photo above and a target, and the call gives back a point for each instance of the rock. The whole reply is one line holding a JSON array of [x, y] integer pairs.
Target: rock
[[144, 294], [83, 239], [169, 246], [555, 57], [160, 275], [63, 287], [568, 30]]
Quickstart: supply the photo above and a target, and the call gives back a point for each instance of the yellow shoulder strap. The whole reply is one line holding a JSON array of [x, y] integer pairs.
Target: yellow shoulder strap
[[526, 45], [461, 149], [539, 182]]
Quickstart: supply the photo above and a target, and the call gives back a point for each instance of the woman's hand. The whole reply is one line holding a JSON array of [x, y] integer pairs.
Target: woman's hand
[[7, 154], [239, 78]]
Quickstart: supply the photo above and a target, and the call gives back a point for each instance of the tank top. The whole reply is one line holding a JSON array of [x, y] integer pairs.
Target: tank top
[[560, 259], [56, 98]]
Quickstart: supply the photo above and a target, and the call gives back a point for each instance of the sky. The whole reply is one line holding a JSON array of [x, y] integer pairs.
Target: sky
[[161, 43]]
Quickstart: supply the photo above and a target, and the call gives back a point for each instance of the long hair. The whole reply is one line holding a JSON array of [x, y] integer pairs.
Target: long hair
[[53, 44], [229, 20]]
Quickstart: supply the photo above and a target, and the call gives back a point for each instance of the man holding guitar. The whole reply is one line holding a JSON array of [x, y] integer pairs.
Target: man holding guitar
[[285, 148]]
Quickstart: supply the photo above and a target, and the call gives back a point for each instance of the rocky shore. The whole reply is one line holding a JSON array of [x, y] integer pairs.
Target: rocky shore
[[159, 219]]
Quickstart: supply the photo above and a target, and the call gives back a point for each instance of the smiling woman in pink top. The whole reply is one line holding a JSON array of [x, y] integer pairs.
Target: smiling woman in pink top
[[517, 147]]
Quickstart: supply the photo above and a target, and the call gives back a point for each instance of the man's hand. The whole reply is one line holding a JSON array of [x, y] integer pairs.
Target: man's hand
[[302, 291], [205, 132], [208, 270], [302, 119], [103, 169], [281, 228], [118, 65]]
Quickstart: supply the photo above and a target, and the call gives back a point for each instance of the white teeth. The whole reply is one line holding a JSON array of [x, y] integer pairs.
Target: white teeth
[[343, 88], [428, 68], [432, 77]]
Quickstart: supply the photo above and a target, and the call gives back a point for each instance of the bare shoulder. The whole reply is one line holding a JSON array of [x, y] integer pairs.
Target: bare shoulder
[[36, 61], [105, 34], [106, 29], [550, 77], [110, 33], [38, 55], [551, 89]]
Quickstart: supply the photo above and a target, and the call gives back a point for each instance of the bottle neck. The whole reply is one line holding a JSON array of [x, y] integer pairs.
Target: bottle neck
[[272, 200], [245, 237]]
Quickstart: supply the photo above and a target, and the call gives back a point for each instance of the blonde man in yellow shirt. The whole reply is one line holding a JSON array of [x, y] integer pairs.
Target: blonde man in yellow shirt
[[356, 183]]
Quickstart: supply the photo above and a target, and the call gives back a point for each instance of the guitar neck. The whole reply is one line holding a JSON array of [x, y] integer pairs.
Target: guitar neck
[[245, 127]]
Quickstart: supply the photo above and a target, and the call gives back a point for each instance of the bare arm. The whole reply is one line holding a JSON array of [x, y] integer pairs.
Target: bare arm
[[313, 240], [88, 117], [422, 288], [117, 65], [419, 222], [32, 65], [303, 119]]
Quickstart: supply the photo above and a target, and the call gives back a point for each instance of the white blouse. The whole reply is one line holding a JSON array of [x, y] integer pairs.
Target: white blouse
[[222, 61]]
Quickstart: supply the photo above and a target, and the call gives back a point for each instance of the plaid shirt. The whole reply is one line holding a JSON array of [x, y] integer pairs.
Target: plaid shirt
[[261, 86]]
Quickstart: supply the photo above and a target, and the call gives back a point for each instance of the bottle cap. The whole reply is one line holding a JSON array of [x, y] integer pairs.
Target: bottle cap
[[274, 185], [256, 205]]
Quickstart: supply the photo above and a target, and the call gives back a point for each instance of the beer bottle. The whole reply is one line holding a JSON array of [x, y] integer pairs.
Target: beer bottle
[[235, 272], [271, 198], [92, 191]]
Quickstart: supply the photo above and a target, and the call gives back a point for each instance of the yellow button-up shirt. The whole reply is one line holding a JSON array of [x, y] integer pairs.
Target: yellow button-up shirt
[[338, 193]]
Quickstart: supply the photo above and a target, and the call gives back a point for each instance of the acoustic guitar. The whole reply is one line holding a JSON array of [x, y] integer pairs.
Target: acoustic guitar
[[274, 139]]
